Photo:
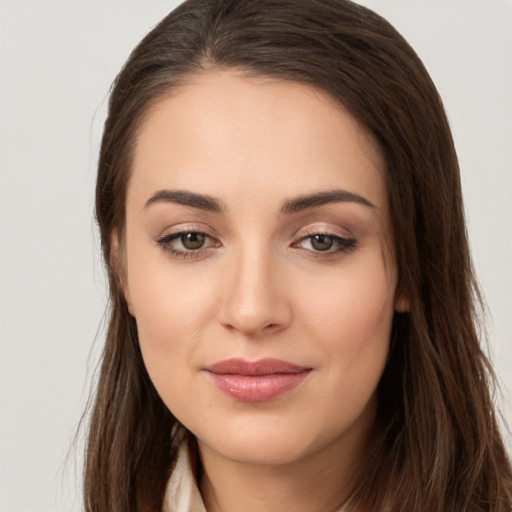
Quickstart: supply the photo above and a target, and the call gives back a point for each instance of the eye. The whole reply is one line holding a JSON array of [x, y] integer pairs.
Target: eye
[[186, 243], [325, 243], [192, 241], [321, 242]]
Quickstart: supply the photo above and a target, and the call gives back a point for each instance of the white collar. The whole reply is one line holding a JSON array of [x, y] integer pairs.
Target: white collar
[[181, 493]]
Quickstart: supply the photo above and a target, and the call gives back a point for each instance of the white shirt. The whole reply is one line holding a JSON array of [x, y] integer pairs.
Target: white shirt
[[181, 493]]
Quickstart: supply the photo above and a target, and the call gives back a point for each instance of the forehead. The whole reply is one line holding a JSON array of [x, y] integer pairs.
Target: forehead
[[223, 132]]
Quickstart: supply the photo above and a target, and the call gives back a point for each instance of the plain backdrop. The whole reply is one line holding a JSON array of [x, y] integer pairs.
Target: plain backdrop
[[57, 61]]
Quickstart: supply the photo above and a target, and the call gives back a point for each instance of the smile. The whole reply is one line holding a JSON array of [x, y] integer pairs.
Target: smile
[[258, 381]]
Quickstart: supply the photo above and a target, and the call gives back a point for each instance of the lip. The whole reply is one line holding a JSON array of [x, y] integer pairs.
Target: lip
[[256, 381]]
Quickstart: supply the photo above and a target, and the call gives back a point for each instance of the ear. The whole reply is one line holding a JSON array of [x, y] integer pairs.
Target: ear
[[402, 302], [118, 264], [402, 299]]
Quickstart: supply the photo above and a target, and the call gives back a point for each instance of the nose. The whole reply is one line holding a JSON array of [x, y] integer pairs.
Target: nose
[[255, 299]]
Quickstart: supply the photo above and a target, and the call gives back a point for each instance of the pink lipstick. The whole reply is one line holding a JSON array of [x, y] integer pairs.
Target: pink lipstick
[[256, 381]]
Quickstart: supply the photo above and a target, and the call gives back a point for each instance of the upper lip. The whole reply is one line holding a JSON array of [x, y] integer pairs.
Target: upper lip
[[268, 366]]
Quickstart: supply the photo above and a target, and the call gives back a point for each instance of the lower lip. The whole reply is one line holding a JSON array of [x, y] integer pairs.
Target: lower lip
[[257, 388]]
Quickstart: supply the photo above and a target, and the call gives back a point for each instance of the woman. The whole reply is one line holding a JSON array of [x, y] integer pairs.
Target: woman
[[292, 302]]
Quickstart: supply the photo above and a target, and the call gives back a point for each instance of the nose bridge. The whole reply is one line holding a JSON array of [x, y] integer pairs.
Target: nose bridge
[[253, 298]]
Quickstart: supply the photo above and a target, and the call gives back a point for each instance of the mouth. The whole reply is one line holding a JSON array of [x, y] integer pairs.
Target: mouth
[[256, 381]]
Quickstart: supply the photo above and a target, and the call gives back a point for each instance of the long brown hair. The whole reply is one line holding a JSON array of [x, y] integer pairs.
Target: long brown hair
[[439, 447]]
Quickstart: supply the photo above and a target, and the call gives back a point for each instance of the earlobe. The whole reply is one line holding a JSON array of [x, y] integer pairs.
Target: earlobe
[[402, 300], [118, 265], [402, 304]]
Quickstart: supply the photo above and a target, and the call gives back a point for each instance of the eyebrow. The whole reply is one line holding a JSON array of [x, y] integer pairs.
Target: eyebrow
[[186, 198], [322, 198], [297, 204]]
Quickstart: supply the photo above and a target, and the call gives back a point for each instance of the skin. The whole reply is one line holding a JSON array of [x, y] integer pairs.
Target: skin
[[259, 287]]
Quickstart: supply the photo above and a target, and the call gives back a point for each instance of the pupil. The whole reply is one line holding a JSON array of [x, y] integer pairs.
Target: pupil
[[193, 240], [322, 242]]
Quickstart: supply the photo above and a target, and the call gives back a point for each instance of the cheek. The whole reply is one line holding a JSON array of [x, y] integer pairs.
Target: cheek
[[357, 299], [169, 323], [171, 308], [350, 315]]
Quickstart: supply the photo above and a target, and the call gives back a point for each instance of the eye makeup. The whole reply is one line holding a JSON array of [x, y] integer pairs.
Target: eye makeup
[[193, 243]]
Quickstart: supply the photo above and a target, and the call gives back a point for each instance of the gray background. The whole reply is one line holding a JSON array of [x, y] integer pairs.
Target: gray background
[[57, 60]]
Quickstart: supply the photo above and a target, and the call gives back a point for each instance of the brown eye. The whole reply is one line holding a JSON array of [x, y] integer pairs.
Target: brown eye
[[187, 244], [322, 242], [327, 243], [193, 241]]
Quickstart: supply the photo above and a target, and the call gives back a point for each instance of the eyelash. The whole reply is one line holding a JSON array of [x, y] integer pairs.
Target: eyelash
[[342, 244]]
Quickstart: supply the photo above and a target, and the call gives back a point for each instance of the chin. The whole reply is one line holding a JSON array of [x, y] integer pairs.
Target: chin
[[269, 442], [259, 450], [282, 439]]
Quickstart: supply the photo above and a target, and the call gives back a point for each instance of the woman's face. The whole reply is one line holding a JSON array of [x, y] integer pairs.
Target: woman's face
[[258, 267]]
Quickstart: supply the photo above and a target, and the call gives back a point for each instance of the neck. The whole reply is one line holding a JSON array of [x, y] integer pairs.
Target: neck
[[321, 481]]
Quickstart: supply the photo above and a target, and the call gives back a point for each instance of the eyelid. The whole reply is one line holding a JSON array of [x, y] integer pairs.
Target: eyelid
[[186, 228], [322, 229]]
